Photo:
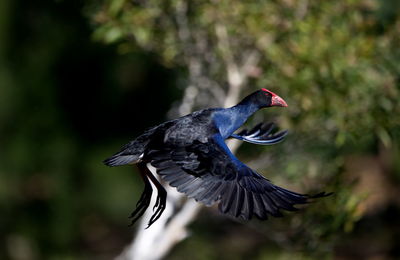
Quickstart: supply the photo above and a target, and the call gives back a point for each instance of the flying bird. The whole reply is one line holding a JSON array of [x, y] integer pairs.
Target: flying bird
[[190, 153]]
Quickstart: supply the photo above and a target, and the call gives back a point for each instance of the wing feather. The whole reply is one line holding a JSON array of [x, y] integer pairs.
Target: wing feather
[[259, 209], [261, 134], [210, 173]]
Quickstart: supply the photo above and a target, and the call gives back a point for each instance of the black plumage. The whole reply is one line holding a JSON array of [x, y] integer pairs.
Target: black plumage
[[190, 154]]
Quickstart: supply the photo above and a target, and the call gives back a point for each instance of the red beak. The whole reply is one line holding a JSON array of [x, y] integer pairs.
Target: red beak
[[278, 101], [275, 100]]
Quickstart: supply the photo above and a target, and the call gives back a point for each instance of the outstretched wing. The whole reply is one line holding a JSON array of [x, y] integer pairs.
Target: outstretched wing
[[261, 134], [209, 173]]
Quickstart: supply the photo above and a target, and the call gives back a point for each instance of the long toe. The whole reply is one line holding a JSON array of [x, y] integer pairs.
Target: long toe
[[143, 204], [160, 206]]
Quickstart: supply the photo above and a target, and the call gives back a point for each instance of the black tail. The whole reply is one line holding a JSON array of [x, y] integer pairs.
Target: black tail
[[119, 159]]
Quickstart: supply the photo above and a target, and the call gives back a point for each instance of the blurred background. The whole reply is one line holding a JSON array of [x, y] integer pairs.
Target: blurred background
[[78, 79]]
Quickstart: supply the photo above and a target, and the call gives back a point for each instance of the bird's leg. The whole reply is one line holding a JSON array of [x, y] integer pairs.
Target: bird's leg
[[145, 198], [161, 201]]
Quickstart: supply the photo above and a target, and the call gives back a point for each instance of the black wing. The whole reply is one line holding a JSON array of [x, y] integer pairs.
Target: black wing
[[209, 173], [261, 134]]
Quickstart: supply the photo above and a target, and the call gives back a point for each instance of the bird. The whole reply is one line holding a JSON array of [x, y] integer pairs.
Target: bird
[[190, 154]]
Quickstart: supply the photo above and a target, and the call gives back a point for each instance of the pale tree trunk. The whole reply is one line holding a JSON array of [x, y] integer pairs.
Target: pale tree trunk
[[155, 243]]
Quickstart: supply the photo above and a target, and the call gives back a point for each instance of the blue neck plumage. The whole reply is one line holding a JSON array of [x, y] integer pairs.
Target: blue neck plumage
[[228, 120]]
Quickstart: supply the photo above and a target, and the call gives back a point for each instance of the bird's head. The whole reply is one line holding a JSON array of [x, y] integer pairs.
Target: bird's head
[[268, 98], [263, 98]]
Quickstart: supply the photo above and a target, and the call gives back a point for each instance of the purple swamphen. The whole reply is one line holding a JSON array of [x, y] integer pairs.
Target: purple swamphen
[[190, 154]]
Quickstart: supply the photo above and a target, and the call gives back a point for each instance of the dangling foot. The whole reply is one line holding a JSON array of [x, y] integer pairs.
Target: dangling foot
[[161, 201], [160, 205], [145, 198]]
